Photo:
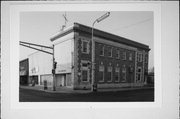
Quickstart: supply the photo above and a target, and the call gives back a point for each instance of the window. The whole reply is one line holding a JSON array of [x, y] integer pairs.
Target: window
[[117, 74], [110, 52], [139, 57], [146, 58], [124, 56], [124, 73], [130, 56], [85, 46], [109, 74], [84, 71], [117, 53], [101, 50], [84, 75], [139, 74], [101, 72]]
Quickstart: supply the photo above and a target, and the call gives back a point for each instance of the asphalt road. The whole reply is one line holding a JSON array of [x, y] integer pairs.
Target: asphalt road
[[143, 95]]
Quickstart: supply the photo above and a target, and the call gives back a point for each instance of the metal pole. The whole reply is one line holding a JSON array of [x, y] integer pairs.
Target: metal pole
[[53, 72], [93, 85], [92, 59]]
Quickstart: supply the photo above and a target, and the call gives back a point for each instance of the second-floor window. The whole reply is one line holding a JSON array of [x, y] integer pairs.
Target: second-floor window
[[109, 52], [139, 57], [117, 54], [101, 50], [130, 56], [124, 56], [85, 46]]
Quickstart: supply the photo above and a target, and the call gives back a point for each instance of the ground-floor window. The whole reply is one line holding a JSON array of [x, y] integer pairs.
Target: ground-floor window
[[139, 73], [124, 73], [109, 77], [101, 72], [34, 79], [84, 71], [117, 74], [84, 75]]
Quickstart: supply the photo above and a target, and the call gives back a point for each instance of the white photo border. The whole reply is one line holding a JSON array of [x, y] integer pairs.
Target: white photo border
[[166, 61]]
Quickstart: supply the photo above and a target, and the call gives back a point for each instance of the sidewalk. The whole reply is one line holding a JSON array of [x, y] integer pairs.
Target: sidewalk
[[70, 90]]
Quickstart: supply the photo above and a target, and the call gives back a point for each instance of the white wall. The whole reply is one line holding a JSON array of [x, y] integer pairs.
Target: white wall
[[63, 49], [62, 52], [41, 62]]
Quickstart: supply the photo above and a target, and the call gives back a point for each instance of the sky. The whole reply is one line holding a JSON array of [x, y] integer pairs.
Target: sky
[[39, 27]]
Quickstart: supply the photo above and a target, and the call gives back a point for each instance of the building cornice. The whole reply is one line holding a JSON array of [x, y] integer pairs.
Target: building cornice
[[101, 34]]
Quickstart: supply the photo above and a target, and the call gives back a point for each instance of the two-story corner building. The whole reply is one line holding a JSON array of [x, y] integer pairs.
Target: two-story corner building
[[118, 62]]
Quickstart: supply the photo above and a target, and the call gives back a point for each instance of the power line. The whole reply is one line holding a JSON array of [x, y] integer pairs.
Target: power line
[[134, 24]]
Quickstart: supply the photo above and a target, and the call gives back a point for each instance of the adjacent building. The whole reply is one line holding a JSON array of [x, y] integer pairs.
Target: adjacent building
[[24, 72], [118, 62]]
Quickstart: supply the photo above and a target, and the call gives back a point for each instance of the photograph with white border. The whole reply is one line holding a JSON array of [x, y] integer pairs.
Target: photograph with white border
[[43, 25]]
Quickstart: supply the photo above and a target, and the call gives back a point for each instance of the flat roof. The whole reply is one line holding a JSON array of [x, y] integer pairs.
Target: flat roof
[[77, 27]]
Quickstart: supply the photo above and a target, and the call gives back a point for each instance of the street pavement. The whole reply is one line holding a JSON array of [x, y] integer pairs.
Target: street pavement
[[37, 94], [70, 90]]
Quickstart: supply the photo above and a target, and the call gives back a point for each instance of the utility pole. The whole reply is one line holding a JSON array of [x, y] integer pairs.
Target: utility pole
[[54, 71], [30, 45]]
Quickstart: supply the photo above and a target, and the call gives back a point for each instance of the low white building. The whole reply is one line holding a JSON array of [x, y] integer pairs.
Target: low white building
[[41, 64]]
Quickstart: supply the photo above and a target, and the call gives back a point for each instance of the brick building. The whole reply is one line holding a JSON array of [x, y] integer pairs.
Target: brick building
[[118, 62]]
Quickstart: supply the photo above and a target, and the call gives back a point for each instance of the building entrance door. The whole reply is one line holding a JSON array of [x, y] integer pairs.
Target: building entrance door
[[60, 80]]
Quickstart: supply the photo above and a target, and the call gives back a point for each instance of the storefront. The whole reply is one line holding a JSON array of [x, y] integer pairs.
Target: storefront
[[24, 72]]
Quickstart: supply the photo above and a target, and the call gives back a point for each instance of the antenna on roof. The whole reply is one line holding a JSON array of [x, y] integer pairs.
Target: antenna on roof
[[65, 21]]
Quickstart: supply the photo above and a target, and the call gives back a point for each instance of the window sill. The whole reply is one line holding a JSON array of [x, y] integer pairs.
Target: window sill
[[123, 81], [109, 81], [101, 81], [85, 53], [101, 55], [84, 81], [110, 56]]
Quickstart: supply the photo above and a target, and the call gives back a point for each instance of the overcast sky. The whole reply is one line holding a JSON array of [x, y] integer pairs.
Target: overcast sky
[[39, 27]]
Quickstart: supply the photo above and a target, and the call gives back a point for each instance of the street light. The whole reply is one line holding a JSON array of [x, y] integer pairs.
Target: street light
[[93, 85]]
